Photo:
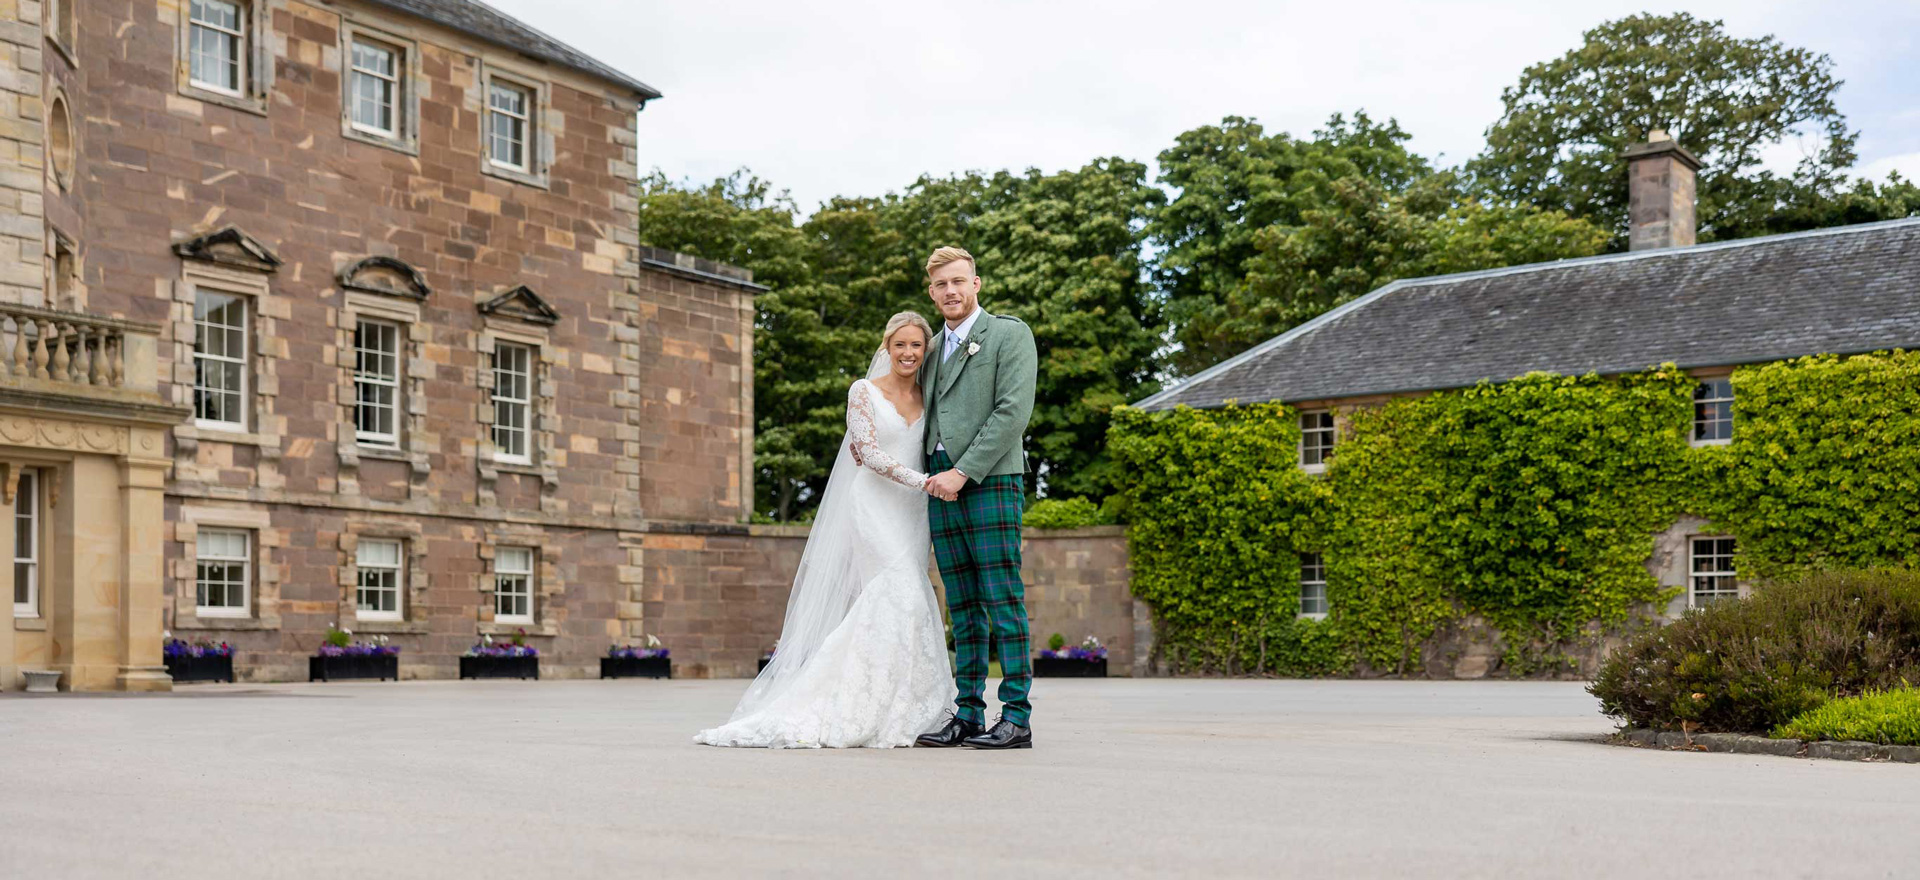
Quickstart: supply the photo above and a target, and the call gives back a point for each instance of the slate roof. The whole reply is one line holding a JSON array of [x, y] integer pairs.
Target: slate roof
[[1827, 291], [485, 22]]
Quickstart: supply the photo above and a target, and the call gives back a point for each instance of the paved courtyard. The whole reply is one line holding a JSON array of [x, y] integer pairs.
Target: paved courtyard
[[1149, 778]]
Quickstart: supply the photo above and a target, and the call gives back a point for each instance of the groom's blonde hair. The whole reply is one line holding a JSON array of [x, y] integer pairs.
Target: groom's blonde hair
[[945, 255], [906, 319]]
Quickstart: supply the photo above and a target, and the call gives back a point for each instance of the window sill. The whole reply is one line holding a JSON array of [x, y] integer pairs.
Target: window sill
[[61, 48], [30, 624], [218, 622], [527, 178], [1313, 468], [498, 628], [209, 434], [408, 146], [390, 627], [390, 453], [519, 467], [1700, 444], [256, 106], [1311, 616]]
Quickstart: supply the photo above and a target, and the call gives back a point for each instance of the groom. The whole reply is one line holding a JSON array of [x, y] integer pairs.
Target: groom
[[978, 386]]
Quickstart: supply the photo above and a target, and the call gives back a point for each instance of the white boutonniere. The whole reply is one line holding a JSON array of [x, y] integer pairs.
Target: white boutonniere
[[973, 348]]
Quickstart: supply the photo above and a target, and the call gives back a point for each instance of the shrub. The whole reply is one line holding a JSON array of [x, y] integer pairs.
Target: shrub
[[1749, 666], [1885, 717], [1065, 513]]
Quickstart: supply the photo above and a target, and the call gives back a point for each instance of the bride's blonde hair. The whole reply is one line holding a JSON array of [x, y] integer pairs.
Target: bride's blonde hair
[[906, 319]]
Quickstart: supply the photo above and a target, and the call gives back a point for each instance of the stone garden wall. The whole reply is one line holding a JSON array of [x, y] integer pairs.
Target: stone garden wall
[[718, 621]]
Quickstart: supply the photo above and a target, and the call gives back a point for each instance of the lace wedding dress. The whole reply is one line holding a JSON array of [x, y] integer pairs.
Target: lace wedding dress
[[862, 659]]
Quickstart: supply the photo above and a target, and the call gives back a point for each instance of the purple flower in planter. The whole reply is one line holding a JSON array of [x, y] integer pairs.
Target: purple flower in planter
[[491, 649], [1088, 650], [205, 648]]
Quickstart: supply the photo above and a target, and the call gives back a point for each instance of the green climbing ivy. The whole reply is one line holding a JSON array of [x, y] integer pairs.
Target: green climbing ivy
[[1530, 504]]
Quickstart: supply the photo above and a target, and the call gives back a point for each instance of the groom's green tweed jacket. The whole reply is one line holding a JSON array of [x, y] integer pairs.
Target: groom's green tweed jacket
[[978, 403]]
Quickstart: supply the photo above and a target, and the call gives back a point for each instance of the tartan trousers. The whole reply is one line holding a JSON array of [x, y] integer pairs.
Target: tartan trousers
[[976, 540]]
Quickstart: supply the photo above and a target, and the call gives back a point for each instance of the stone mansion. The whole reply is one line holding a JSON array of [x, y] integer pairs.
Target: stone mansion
[[326, 312]]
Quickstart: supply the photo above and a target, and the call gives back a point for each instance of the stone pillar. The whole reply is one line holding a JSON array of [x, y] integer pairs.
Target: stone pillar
[[1660, 193], [87, 593], [143, 481], [23, 227]]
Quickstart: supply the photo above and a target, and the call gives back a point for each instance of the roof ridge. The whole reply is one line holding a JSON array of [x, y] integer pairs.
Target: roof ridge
[[1629, 256], [1353, 305]]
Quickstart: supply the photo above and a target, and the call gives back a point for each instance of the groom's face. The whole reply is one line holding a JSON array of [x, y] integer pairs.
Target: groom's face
[[955, 290]]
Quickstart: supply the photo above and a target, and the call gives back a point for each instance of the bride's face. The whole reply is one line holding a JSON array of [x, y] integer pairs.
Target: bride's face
[[907, 348]]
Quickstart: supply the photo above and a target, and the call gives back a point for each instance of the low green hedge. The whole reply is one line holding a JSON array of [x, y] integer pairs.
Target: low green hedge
[[1752, 665], [1886, 717], [1065, 513]]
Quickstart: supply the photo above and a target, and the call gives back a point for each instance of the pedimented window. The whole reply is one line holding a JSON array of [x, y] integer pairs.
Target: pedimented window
[[387, 276]]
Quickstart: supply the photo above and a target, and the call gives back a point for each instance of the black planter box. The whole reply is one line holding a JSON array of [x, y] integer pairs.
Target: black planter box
[[636, 667], [763, 663], [382, 667], [1056, 667], [210, 668], [500, 667]]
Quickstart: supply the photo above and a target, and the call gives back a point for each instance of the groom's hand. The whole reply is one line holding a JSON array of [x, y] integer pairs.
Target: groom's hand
[[947, 485]]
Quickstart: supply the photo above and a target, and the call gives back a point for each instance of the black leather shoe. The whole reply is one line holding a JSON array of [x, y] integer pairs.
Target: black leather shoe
[[1004, 735], [949, 735]]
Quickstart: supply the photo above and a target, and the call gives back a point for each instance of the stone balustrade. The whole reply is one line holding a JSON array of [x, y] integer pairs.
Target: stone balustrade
[[67, 352]]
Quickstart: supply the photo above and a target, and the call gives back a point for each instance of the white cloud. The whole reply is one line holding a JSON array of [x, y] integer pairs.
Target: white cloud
[[858, 98]]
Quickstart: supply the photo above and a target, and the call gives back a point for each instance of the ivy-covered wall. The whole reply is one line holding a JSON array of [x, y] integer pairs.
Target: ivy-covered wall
[[1527, 508]]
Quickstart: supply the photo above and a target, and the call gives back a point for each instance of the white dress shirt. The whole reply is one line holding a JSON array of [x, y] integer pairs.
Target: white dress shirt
[[956, 337]]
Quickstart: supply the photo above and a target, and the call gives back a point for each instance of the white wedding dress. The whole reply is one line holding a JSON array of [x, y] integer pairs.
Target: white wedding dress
[[862, 659]]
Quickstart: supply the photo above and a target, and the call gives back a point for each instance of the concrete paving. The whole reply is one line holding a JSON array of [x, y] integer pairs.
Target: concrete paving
[[1148, 778]]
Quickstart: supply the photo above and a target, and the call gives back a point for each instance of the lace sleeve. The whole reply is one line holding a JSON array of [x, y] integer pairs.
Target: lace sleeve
[[866, 443]]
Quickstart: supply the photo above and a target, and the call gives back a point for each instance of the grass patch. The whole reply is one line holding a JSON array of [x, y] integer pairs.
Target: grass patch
[[1885, 717]]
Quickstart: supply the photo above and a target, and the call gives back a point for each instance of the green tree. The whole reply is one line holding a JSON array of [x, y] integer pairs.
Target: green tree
[[1558, 143], [1233, 180], [1363, 238]]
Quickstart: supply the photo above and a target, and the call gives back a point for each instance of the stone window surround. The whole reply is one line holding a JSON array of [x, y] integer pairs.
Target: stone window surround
[[414, 577], [264, 607], [545, 411], [547, 583], [264, 347], [257, 75], [406, 104], [61, 38], [47, 477], [59, 171], [544, 122], [58, 243], [413, 448]]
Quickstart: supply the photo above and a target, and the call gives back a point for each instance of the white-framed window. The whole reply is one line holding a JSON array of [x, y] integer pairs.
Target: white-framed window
[[223, 576], [513, 584], [513, 402], [376, 383], [1316, 439], [510, 125], [1313, 585], [217, 46], [1713, 411], [26, 545], [1711, 576], [374, 93], [220, 348], [380, 562]]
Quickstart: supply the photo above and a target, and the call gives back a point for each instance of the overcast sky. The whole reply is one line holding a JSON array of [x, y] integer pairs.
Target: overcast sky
[[859, 97]]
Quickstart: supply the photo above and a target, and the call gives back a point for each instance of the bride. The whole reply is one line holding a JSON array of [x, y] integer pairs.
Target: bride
[[862, 658]]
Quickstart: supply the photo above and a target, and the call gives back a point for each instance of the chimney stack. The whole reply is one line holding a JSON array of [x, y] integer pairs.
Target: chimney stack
[[1659, 193]]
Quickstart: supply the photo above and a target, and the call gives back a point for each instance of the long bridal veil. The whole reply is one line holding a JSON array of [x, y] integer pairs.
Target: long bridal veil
[[825, 584]]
